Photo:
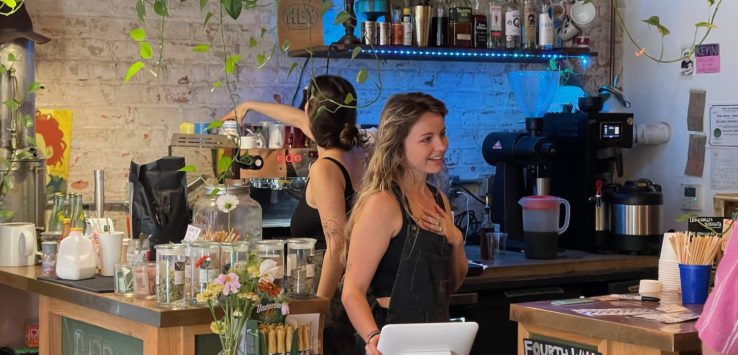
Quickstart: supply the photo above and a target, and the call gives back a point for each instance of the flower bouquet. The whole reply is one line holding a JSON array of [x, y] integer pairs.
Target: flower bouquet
[[240, 293]]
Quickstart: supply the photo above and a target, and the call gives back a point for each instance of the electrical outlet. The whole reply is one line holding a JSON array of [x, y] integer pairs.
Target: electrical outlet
[[691, 197]]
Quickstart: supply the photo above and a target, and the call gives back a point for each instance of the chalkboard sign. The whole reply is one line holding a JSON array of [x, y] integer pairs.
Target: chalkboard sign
[[705, 225], [541, 346], [79, 338]]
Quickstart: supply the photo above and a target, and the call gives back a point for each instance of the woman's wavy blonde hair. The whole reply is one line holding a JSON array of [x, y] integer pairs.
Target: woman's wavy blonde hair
[[387, 164]]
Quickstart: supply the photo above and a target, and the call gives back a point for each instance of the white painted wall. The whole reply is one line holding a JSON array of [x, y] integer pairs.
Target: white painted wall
[[658, 94]]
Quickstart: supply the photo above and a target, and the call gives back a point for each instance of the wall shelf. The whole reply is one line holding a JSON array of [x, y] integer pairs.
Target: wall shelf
[[448, 54]]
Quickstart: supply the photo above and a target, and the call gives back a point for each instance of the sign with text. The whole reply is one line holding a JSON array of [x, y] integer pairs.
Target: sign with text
[[724, 125], [705, 225], [708, 58], [543, 347]]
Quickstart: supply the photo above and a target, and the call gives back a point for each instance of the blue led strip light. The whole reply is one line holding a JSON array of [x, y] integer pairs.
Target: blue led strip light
[[441, 53]]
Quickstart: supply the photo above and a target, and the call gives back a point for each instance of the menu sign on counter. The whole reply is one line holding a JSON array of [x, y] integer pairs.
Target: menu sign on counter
[[705, 225], [543, 347]]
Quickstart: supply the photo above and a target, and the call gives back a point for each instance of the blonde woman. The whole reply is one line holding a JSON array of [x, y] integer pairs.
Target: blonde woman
[[404, 244]]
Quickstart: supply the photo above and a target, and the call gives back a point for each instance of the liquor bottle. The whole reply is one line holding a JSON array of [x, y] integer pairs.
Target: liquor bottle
[[530, 26], [479, 24], [397, 27], [439, 25], [485, 227], [496, 38], [460, 24], [407, 27], [545, 25], [512, 24]]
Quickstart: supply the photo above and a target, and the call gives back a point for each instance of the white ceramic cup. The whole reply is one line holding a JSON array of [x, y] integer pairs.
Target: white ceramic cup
[[649, 286], [583, 15], [110, 246], [248, 142], [567, 30]]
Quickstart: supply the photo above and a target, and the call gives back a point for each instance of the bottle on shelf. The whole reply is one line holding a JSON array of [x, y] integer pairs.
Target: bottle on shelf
[[479, 24], [545, 25], [439, 25], [56, 218], [512, 24], [530, 26], [460, 24], [397, 27], [407, 27], [496, 38]]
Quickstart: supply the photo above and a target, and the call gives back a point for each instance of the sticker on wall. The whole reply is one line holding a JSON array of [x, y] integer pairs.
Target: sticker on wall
[[695, 155], [708, 58], [687, 68], [724, 125], [54, 138]]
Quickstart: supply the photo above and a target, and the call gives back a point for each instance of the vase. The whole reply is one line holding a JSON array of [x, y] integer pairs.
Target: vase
[[230, 347]]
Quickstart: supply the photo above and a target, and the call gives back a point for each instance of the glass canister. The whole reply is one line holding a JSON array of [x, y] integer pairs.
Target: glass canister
[[225, 218], [300, 267], [233, 255], [273, 250], [170, 275], [205, 261]]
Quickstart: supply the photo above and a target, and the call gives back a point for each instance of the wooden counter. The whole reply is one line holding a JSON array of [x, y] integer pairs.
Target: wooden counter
[[162, 330], [609, 335]]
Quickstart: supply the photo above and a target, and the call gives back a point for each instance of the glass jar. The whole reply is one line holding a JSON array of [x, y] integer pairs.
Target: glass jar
[[48, 258], [205, 264], [273, 249], [300, 267], [233, 255], [241, 223], [170, 275]]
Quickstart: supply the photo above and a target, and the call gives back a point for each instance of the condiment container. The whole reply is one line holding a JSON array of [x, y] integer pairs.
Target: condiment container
[[273, 250], [300, 267], [205, 263], [234, 255], [170, 275]]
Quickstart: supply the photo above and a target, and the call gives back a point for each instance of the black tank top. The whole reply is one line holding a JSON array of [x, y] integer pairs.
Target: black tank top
[[384, 277], [306, 220]]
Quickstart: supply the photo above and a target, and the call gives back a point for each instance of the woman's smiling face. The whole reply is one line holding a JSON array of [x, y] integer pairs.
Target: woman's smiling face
[[426, 144]]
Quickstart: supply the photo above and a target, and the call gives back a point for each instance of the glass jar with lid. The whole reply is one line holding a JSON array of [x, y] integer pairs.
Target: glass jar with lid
[[228, 214], [205, 261], [273, 250], [300, 267], [170, 275], [233, 255]]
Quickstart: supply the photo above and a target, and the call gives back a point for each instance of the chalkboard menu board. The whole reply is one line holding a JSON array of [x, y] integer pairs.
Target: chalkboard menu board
[[79, 338]]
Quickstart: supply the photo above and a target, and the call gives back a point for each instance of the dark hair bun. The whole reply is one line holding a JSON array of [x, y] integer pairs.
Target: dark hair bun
[[349, 136]]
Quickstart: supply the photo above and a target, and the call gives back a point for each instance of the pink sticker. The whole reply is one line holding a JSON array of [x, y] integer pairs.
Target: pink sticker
[[708, 58]]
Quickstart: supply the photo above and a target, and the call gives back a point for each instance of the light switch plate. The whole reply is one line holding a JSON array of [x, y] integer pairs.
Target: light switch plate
[[691, 197]]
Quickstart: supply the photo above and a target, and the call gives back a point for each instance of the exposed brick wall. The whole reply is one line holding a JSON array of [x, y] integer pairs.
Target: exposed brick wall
[[84, 66]]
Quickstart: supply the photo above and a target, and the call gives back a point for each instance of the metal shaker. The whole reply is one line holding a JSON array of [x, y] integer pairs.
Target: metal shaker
[[422, 19]]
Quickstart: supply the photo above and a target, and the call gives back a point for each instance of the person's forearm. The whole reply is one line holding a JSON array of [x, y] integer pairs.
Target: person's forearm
[[283, 113], [331, 273], [359, 312], [706, 350], [459, 266]]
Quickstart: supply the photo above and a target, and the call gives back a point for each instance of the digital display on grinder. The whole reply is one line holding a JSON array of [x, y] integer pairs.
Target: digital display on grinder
[[611, 131]]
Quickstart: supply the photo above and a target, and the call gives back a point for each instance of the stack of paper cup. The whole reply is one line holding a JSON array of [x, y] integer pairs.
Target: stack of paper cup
[[668, 266]]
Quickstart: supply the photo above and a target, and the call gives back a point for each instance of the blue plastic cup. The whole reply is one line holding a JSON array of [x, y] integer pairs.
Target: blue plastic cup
[[201, 127], [695, 280]]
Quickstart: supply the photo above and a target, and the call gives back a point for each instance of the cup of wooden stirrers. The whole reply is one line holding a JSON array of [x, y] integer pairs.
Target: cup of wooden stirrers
[[696, 254]]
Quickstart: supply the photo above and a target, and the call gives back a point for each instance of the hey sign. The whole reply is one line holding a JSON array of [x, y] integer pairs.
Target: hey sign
[[708, 58], [542, 347]]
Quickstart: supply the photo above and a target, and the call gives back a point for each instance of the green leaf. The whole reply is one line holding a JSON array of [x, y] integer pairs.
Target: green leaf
[[224, 163], [34, 87], [260, 59], [11, 57], [705, 24], [28, 121], [3, 69], [348, 99], [31, 140], [202, 4], [24, 154], [207, 18], [286, 45], [160, 7], [8, 183], [324, 7], [292, 68], [132, 70], [214, 192], [138, 34], [685, 217], [232, 7], [711, 2], [355, 52], [11, 104], [6, 215], [188, 168], [214, 125], [263, 32], [140, 10], [252, 42], [10, 3], [361, 76], [216, 85], [201, 48], [230, 64], [144, 50], [341, 17], [656, 22]]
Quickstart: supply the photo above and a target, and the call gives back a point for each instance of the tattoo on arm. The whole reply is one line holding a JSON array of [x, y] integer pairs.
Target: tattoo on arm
[[332, 230]]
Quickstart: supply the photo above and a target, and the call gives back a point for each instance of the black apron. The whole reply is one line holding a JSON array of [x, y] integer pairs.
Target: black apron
[[421, 291]]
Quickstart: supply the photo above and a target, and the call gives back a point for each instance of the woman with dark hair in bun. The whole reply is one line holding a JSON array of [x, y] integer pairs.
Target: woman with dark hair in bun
[[330, 121]]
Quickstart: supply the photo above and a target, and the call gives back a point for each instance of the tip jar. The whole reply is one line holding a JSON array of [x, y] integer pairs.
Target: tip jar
[[300, 267], [273, 249], [170, 275], [227, 214]]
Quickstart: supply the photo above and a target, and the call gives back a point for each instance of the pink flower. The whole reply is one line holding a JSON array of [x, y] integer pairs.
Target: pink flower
[[230, 283], [285, 309]]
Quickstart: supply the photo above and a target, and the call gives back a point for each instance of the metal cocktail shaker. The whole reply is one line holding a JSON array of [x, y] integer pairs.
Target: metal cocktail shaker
[[422, 20]]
